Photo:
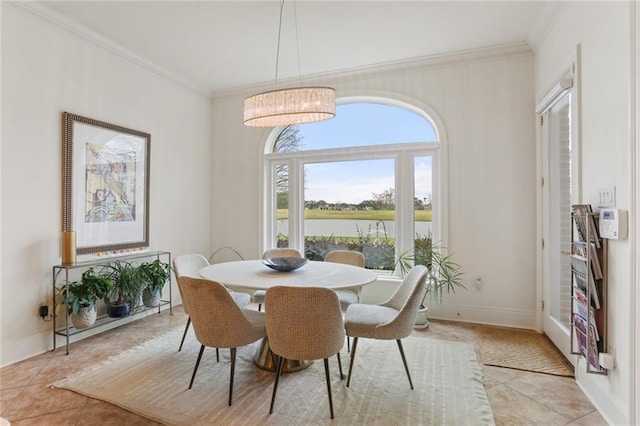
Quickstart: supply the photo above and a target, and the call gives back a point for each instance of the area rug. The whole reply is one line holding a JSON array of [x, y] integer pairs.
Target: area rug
[[151, 380], [520, 349]]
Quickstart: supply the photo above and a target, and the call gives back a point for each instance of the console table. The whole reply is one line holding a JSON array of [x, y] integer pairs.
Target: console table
[[62, 277]]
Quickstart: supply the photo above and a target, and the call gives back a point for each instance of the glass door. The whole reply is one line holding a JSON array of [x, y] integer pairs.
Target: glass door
[[558, 154]]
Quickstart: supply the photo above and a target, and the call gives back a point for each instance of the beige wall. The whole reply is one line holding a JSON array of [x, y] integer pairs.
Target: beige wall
[[206, 166], [602, 31], [486, 106], [47, 70]]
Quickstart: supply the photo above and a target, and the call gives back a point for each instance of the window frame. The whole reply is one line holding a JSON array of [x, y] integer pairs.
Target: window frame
[[403, 154]]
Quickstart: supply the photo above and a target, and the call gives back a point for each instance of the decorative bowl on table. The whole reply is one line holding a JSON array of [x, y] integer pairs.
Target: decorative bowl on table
[[285, 264]]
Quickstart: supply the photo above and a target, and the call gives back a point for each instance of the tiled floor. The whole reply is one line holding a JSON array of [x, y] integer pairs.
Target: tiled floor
[[517, 397]]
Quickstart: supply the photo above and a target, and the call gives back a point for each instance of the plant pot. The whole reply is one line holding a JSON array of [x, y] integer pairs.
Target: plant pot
[[421, 318], [119, 311], [151, 299], [86, 317]]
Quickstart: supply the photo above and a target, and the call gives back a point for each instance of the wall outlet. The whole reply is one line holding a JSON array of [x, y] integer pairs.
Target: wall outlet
[[606, 360], [43, 311], [478, 283], [607, 197]]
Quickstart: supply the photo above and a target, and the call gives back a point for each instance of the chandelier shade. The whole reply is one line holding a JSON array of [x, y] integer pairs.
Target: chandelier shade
[[285, 107]]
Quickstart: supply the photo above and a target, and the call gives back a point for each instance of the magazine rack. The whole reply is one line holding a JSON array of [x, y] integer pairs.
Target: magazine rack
[[588, 288]]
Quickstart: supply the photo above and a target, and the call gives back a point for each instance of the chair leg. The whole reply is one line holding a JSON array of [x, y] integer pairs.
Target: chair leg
[[353, 357], [278, 368], [340, 366], [348, 344], [233, 370], [274, 360], [185, 333], [259, 306], [195, 369], [404, 361], [326, 374]]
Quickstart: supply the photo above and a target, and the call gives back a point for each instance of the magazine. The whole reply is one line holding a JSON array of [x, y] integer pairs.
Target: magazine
[[580, 308], [578, 252], [579, 265], [583, 217], [595, 262], [581, 340], [580, 282], [578, 248]]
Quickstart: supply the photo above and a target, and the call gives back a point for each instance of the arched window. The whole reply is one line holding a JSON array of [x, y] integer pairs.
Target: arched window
[[363, 180]]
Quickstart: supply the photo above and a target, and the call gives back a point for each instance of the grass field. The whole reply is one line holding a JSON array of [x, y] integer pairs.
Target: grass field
[[421, 215]]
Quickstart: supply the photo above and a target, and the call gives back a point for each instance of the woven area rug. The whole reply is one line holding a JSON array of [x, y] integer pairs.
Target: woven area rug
[[152, 379], [521, 350]]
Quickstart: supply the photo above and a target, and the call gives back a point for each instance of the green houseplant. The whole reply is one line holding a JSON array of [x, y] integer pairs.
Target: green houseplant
[[81, 297], [155, 274], [128, 284], [444, 273]]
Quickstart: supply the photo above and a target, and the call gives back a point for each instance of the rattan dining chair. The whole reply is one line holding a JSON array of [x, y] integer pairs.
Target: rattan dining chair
[[391, 320], [188, 265], [304, 323], [218, 321], [258, 295]]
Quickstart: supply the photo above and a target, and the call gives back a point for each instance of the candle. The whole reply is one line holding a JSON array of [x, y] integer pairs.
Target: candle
[[68, 247]]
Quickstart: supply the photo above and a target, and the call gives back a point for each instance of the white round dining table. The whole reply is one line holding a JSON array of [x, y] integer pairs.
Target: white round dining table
[[255, 275]]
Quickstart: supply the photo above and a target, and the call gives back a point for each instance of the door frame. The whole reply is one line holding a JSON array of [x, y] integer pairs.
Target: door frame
[[571, 72]]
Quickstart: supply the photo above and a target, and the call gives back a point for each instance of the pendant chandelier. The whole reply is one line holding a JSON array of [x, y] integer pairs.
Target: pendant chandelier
[[296, 105]]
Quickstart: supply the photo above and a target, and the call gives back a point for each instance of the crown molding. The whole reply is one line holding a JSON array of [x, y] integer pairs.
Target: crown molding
[[482, 54], [58, 21], [546, 20]]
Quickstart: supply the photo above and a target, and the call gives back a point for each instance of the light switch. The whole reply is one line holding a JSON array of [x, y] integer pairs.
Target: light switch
[[607, 197]]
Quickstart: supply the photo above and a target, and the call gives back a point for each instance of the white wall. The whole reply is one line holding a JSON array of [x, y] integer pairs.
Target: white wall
[[47, 70], [486, 105], [602, 30]]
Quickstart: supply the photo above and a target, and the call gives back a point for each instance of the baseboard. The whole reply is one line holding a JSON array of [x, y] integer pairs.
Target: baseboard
[[27, 347], [484, 315], [380, 291], [597, 388], [37, 344]]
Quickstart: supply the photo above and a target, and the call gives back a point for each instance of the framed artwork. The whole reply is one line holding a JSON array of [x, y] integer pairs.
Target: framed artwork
[[105, 185]]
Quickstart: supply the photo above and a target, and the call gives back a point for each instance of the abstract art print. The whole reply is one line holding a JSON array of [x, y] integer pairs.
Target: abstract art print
[[105, 185]]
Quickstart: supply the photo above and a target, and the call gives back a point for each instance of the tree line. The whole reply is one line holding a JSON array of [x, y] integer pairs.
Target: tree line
[[384, 200]]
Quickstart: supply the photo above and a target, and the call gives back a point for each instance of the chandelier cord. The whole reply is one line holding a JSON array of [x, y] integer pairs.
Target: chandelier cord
[[295, 21], [278, 47]]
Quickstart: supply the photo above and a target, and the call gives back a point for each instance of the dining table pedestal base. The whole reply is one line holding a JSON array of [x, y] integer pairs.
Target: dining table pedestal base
[[263, 360]]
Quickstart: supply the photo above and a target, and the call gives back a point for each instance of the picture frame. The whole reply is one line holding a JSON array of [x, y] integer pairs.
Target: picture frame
[[105, 185]]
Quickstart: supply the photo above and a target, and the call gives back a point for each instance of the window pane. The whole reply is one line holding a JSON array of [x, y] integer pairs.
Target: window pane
[[559, 301], [423, 184], [358, 124], [349, 195], [288, 140], [281, 180], [350, 205]]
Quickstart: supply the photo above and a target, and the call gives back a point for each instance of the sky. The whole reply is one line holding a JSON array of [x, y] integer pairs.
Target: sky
[[362, 125]]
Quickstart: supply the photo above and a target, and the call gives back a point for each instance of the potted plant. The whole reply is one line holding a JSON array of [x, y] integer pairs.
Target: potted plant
[[444, 274], [155, 275], [128, 284], [81, 297]]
